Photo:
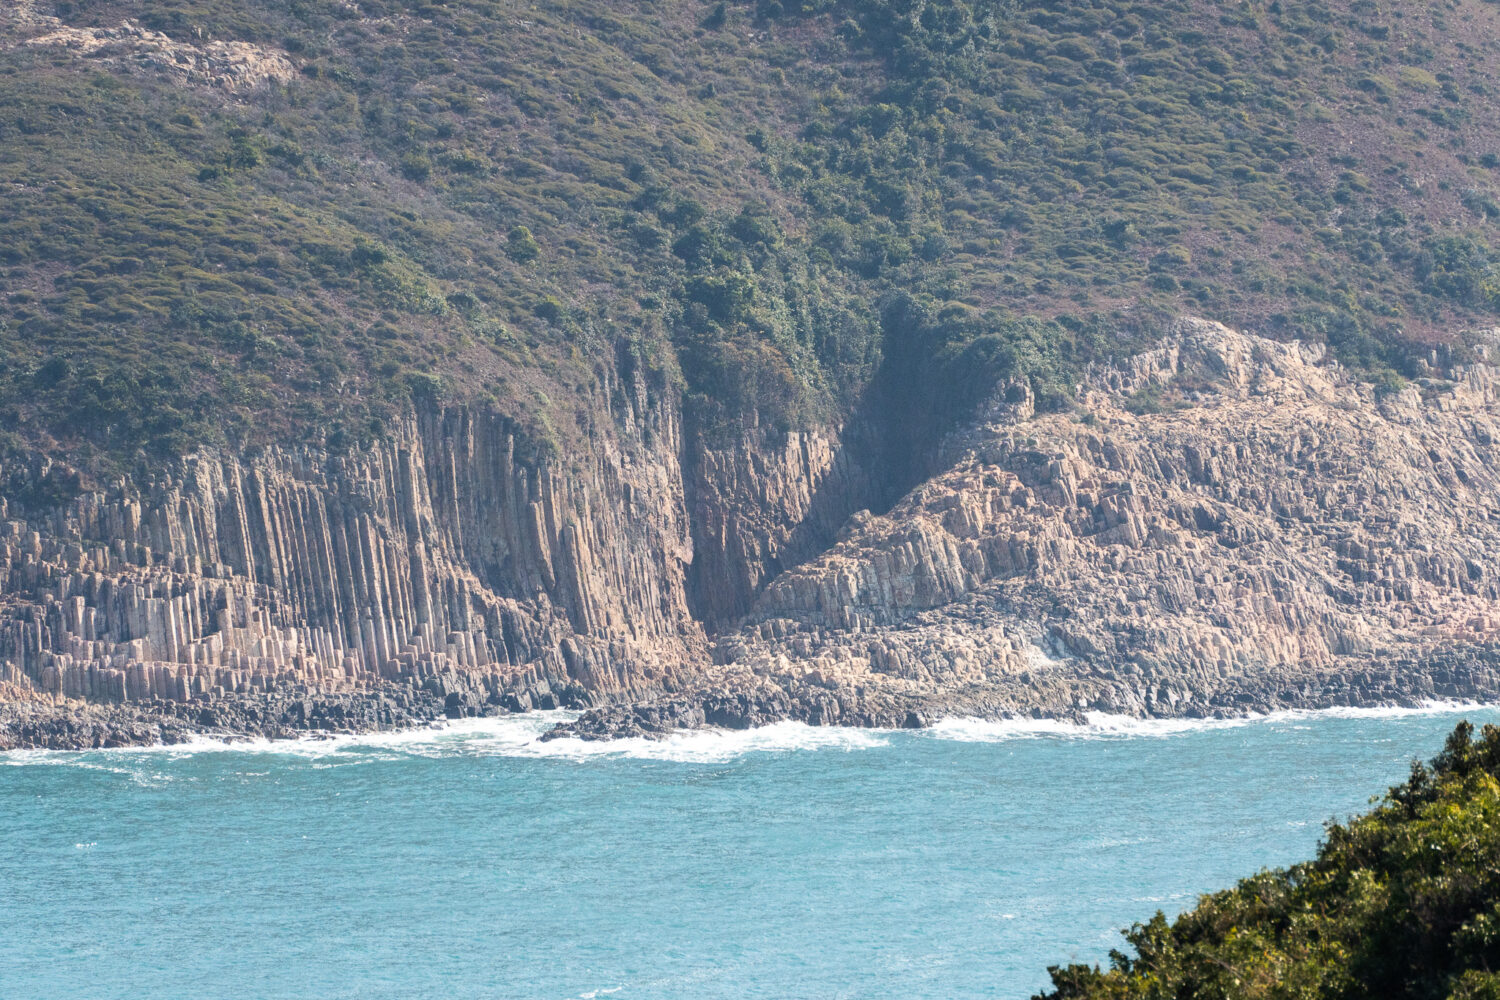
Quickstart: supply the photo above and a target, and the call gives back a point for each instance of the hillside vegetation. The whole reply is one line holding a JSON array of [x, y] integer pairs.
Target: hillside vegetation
[[778, 207], [1403, 902]]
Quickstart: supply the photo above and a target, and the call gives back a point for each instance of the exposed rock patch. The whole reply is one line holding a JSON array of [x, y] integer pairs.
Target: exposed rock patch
[[233, 66]]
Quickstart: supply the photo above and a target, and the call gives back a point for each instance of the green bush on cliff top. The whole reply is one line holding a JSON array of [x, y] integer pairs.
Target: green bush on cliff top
[[1403, 902], [721, 197]]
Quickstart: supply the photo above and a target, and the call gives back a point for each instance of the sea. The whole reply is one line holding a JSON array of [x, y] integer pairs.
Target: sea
[[473, 861]]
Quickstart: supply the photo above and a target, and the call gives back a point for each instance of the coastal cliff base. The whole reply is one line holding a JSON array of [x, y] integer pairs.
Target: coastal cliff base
[[1224, 524]]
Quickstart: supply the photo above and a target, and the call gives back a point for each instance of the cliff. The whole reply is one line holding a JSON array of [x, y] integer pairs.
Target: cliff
[[435, 558], [1259, 513], [722, 362], [1225, 523], [439, 561]]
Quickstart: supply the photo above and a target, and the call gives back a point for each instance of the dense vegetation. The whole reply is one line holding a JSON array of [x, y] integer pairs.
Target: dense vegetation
[[762, 203], [1403, 902]]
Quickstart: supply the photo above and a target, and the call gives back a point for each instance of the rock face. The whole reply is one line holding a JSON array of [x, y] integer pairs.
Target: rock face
[[766, 503], [437, 559], [1225, 524]]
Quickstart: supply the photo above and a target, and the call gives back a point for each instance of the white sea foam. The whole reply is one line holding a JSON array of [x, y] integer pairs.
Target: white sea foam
[[520, 736], [504, 736], [1097, 725], [312, 745], [1100, 725], [689, 746]]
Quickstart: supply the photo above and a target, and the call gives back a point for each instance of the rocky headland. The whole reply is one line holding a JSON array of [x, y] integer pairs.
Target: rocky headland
[[1223, 524]]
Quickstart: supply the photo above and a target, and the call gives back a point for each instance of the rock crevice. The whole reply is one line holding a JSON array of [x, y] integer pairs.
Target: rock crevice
[[1273, 520]]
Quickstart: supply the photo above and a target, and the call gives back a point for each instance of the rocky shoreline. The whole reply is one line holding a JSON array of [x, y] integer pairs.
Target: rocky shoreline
[[1476, 682], [76, 725], [71, 724]]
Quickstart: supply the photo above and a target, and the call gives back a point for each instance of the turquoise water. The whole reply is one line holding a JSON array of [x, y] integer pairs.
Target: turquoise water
[[783, 863]]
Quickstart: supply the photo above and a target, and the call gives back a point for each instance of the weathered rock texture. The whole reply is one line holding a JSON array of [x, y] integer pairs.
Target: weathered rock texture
[[231, 65], [1225, 524], [1228, 522], [438, 559], [766, 503]]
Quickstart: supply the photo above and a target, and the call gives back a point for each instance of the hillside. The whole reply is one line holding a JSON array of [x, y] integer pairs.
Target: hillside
[[1399, 903], [491, 201], [834, 355]]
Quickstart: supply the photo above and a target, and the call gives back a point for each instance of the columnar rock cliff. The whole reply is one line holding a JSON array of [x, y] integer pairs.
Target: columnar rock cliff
[[1224, 523], [437, 554]]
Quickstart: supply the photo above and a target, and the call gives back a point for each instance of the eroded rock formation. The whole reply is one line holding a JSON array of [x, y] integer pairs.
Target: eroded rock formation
[[1225, 523], [436, 559]]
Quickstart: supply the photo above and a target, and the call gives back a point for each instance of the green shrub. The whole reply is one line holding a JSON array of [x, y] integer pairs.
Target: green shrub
[[1400, 902], [521, 246]]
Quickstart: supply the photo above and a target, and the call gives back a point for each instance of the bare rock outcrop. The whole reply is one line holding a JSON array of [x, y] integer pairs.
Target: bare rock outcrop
[[766, 503], [230, 65], [1226, 521]]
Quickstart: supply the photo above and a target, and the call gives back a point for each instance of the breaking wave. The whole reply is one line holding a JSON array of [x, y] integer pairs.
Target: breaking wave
[[505, 736], [520, 736], [1100, 725]]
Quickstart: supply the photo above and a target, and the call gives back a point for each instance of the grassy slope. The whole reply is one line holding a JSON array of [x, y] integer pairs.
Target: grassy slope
[[1403, 902], [761, 201]]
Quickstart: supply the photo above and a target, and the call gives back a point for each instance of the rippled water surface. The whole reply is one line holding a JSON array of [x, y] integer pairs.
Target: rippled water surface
[[782, 863]]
